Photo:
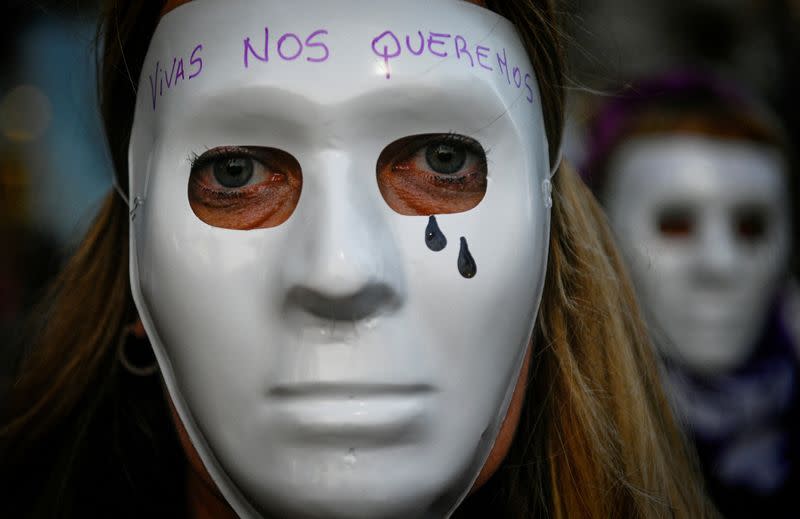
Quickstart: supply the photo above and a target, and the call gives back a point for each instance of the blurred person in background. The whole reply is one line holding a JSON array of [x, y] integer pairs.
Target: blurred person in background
[[696, 179], [754, 44]]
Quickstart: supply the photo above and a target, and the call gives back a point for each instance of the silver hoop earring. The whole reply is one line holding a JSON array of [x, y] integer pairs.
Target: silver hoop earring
[[134, 368]]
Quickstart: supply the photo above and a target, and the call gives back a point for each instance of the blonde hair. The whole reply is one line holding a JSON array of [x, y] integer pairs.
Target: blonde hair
[[596, 437], [607, 399]]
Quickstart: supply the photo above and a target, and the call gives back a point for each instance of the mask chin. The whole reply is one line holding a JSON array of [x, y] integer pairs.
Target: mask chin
[[708, 349]]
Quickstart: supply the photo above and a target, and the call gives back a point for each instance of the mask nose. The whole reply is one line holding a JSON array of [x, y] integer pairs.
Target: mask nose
[[718, 255], [345, 267]]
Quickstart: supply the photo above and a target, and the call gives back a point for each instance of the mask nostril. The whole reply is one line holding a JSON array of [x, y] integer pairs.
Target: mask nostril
[[367, 301]]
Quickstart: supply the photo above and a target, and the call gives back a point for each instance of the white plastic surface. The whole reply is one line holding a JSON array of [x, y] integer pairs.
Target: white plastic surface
[[707, 292], [299, 413]]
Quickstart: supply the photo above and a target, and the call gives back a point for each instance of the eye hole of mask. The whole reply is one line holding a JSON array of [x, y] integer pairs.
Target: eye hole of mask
[[432, 174], [676, 222], [750, 224], [245, 187]]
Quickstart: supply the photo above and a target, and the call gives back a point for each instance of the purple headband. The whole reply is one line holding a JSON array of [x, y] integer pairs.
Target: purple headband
[[616, 115]]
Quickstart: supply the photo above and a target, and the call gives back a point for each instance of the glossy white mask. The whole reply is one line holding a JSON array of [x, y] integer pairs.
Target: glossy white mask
[[704, 224], [334, 365]]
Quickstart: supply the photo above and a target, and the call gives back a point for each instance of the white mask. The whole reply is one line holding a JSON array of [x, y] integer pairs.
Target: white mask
[[704, 224], [334, 365]]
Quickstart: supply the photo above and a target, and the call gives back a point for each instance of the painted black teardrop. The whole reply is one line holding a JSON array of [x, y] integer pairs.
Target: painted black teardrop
[[434, 238], [466, 263]]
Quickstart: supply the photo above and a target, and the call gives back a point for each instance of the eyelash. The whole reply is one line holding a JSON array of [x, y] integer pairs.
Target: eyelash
[[449, 138], [198, 162]]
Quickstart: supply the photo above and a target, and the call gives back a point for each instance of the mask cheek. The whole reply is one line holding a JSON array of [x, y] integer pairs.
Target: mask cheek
[[212, 328]]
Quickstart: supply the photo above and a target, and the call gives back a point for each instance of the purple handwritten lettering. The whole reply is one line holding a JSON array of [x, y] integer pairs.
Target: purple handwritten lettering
[[387, 45], [153, 85], [310, 43], [283, 39], [196, 61], [482, 52], [435, 38], [462, 49], [248, 49], [517, 74], [380, 42], [421, 44], [528, 77], [169, 78], [177, 73], [503, 64]]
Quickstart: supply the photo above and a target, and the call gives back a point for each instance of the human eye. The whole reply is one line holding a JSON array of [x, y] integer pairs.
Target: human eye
[[243, 188], [433, 174]]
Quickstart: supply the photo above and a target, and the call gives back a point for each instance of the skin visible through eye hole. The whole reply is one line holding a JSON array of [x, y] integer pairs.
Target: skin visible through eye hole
[[245, 188], [203, 499], [432, 174]]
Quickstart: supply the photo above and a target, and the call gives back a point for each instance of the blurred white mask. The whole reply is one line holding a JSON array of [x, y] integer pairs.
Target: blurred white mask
[[329, 354], [704, 224]]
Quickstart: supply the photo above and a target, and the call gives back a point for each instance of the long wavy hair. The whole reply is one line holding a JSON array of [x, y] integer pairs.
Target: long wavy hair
[[83, 438]]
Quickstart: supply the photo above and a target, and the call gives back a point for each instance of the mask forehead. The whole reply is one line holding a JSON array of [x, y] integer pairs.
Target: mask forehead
[[391, 60], [697, 169]]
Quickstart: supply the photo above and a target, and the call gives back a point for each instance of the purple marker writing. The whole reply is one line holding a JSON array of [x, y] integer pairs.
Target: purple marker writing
[[528, 78], [438, 39], [388, 46], [502, 62], [517, 75], [289, 47], [288, 56], [163, 80], [381, 45], [461, 49], [483, 53], [421, 48], [312, 43]]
